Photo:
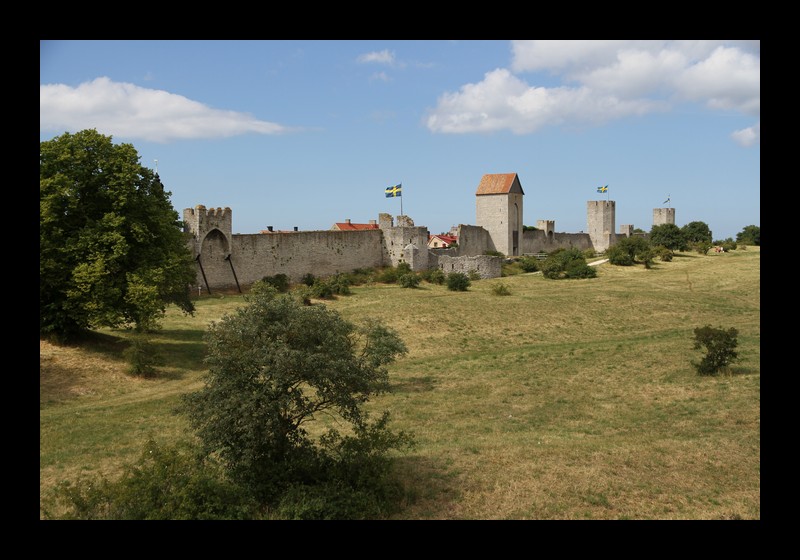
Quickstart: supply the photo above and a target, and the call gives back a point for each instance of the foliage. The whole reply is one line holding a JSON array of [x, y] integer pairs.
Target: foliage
[[166, 483], [567, 263], [111, 247], [750, 235], [669, 236], [409, 280], [458, 282], [142, 356], [663, 253], [275, 366], [474, 275], [618, 255], [434, 276], [695, 232], [719, 346], [279, 281], [494, 253], [701, 247], [727, 244], [529, 264], [308, 279], [501, 290]]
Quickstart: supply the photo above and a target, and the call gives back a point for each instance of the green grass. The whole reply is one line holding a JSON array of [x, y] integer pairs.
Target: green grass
[[568, 399]]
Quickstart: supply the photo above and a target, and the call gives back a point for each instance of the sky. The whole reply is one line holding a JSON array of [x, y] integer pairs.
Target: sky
[[307, 133]]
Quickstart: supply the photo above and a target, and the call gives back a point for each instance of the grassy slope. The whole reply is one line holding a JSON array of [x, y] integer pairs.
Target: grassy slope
[[571, 399]]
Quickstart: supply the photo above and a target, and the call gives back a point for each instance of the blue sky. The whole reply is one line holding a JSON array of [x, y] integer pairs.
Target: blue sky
[[308, 133]]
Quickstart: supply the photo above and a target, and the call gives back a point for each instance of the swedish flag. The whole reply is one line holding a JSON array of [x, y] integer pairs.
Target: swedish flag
[[602, 189], [392, 192]]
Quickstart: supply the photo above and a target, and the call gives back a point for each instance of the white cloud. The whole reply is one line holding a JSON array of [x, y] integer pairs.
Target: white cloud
[[130, 111], [382, 76], [748, 136], [604, 80], [381, 57]]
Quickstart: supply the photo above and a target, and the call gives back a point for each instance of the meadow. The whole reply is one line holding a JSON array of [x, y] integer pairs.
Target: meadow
[[566, 399]]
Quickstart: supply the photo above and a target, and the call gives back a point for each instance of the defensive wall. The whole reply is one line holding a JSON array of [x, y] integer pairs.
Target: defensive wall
[[235, 261]]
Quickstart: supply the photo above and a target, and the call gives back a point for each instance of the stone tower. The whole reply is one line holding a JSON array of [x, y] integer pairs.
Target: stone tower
[[600, 215], [211, 244], [499, 211], [663, 216]]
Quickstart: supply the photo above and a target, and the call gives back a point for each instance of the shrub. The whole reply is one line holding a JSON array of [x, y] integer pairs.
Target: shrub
[[166, 483], [141, 356], [474, 275], [434, 276], [501, 290], [494, 253], [529, 264], [388, 275], [308, 279], [410, 280], [458, 282], [719, 346], [567, 263], [617, 255], [663, 253], [279, 281]]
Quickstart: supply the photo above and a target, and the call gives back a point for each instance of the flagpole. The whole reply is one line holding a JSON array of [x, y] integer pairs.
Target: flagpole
[[401, 201]]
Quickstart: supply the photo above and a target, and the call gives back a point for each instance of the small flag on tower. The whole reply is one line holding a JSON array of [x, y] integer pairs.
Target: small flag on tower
[[666, 201], [395, 191], [602, 189]]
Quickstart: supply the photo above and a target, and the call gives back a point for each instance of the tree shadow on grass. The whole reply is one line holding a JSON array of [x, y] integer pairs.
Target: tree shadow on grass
[[430, 488]]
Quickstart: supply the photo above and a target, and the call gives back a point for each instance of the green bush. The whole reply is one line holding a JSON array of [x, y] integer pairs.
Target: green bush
[[567, 263], [434, 276], [494, 253], [166, 483], [474, 275], [458, 282], [387, 275], [619, 256], [308, 279], [501, 290], [409, 280], [719, 346], [279, 281], [142, 356], [529, 264], [663, 253]]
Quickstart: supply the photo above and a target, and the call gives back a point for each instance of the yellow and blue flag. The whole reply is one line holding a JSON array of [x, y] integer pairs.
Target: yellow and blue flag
[[395, 191], [602, 189]]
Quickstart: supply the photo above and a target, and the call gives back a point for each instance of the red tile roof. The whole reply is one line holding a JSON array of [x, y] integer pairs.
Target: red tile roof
[[499, 183], [348, 226]]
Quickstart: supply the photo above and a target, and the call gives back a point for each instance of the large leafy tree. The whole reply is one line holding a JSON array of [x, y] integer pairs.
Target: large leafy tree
[[111, 247], [669, 236], [697, 232], [750, 235], [275, 367]]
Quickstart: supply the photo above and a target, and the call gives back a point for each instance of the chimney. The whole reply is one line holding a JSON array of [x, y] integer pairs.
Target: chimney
[[295, 228], [372, 222], [269, 228], [347, 220]]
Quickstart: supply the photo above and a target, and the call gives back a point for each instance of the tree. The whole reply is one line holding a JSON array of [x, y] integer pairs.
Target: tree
[[669, 236], [567, 263], [111, 247], [697, 232], [719, 346], [750, 235], [276, 365]]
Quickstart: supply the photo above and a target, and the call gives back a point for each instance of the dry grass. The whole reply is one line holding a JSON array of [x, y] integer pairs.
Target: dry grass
[[571, 399]]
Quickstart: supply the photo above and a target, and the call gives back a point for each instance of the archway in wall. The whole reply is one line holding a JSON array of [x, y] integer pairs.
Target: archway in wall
[[213, 250]]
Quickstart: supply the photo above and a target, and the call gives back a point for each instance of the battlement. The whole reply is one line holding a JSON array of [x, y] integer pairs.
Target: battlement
[[663, 216]]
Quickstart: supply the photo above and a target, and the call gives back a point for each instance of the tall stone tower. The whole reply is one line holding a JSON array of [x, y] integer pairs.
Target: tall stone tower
[[600, 216], [663, 216], [499, 211], [211, 244]]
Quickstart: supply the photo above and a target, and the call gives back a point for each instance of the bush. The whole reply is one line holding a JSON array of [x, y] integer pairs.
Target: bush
[[308, 279], [719, 345], [567, 263], [474, 275], [388, 275], [279, 281], [501, 290], [141, 356], [617, 255], [529, 264], [458, 282], [434, 276], [409, 280], [166, 483], [663, 253]]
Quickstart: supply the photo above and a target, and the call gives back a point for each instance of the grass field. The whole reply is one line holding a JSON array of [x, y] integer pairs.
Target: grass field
[[567, 399]]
